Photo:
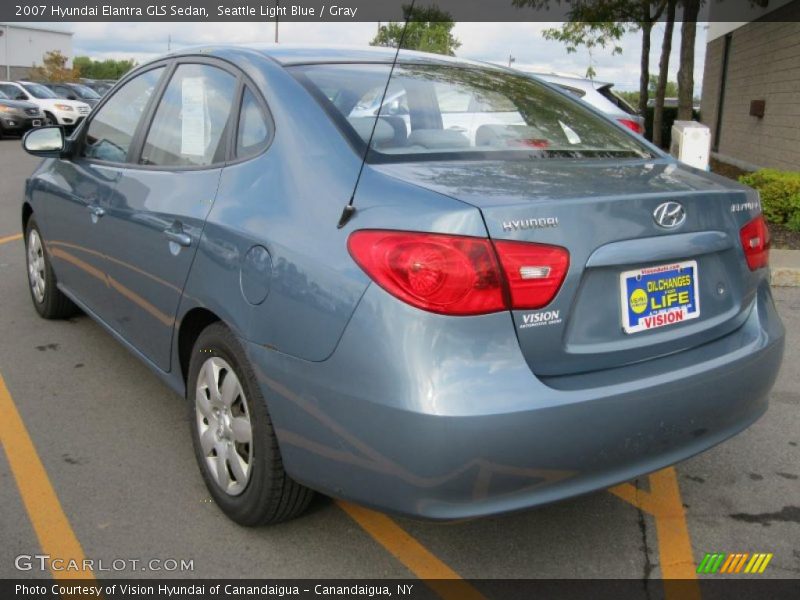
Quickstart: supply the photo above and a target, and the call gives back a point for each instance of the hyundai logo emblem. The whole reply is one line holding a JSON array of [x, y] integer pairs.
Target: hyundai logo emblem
[[669, 215]]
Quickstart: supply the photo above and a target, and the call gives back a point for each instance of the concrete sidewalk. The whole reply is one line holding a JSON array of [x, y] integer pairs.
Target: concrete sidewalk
[[785, 266]]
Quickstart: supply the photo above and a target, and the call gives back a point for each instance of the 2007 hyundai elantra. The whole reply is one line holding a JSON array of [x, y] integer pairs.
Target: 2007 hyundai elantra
[[431, 286]]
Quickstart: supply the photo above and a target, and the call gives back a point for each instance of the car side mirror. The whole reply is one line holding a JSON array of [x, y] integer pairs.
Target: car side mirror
[[71, 97], [47, 142], [21, 96]]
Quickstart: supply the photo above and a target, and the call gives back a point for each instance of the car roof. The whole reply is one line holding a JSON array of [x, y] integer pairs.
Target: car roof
[[299, 54], [578, 82]]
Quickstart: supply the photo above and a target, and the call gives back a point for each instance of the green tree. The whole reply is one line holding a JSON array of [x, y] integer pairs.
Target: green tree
[[587, 16], [670, 87], [691, 8], [102, 69], [429, 30], [662, 89], [54, 68], [589, 35]]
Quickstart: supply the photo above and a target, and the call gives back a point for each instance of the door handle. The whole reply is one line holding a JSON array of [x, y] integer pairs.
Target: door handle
[[180, 238]]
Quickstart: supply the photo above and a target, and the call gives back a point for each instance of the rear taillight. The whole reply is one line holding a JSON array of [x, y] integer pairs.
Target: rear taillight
[[632, 125], [459, 275], [534, 272], [755, 243]]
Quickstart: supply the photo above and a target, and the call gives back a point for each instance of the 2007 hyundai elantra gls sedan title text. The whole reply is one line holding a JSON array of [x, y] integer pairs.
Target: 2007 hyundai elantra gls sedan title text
[[430, 286]]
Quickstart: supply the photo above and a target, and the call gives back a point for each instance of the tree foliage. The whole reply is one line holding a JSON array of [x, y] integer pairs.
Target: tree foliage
[[591, 35], [53, 68], [102, 69], [429, 30]]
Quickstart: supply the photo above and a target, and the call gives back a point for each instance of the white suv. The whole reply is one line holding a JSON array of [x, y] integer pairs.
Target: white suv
[[57, 111]]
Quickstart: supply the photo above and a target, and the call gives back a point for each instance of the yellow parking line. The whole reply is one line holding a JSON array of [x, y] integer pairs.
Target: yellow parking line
[[10, 238], [664, 502], [418, 559], [56, 537]]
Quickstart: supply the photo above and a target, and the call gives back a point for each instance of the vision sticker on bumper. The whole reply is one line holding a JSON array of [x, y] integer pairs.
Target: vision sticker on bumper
[[658, 296]]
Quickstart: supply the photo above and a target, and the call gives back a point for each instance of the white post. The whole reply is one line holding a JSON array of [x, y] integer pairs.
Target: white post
[[8, 58]]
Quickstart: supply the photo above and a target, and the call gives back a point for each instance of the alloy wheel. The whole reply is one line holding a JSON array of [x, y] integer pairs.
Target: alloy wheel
[[36, 265], [223, 426]]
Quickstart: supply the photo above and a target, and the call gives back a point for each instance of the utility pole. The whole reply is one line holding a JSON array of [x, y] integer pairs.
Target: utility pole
[[511, 60], [169, 42]]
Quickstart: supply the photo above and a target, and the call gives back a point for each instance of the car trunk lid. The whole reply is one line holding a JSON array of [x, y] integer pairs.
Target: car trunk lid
[[604, 215]]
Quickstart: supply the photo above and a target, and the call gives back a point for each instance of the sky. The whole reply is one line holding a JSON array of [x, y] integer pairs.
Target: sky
[[491, 42]]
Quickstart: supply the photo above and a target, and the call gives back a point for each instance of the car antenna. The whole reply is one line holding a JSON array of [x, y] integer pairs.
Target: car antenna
[[350, 209]]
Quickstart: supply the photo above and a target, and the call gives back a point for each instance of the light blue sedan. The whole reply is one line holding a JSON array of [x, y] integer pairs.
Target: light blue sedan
[[483, 298]]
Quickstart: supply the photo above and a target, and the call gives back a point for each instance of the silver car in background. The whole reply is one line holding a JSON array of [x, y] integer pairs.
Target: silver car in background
[[600, 95]]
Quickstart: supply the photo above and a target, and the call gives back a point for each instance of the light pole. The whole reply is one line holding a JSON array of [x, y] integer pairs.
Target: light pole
[[8, 58], [277, 12]]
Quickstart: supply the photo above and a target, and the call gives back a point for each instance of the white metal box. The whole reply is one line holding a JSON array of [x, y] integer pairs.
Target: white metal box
[[691, 143]]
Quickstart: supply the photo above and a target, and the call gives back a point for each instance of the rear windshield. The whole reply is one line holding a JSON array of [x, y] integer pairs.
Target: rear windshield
[[433, 112]]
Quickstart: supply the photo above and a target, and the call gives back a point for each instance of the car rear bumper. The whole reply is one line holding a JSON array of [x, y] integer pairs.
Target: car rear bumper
[[441, 417]]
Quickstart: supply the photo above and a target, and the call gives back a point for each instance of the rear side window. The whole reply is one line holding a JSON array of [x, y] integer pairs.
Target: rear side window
[[189, 125], [111, 129], [616, 100], [254, 130]]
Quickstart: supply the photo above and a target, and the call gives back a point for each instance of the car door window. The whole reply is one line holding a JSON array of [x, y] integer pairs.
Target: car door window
[[189, 126], [254, 130], [111, 130]]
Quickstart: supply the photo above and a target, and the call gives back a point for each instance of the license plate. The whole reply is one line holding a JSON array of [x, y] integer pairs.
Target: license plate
[[37, 123], [659, 296]]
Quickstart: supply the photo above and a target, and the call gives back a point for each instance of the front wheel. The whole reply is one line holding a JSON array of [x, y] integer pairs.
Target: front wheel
[[234, 441], [48, 300]]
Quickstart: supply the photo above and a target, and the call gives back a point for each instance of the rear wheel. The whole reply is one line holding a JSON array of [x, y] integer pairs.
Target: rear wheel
[[234, 441], [48, 300]]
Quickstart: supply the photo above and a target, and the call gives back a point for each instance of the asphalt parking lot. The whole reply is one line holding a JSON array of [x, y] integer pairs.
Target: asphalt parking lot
[[117, 477]]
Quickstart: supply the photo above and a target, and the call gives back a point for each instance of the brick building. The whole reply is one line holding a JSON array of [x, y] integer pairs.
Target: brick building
[[751, 88], [23, 46]]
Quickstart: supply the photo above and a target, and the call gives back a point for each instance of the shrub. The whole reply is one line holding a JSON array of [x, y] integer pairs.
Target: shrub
[[780, 195]]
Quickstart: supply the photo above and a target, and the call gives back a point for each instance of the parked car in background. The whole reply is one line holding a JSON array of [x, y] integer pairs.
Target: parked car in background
[[75, 91], [493, 322], [101, 86], [18, 116], [600, 95], [57, 111]]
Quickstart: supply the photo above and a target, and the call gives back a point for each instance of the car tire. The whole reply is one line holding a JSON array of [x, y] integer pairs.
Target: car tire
[[49, 119], [49, 301], [258, 491]]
